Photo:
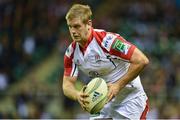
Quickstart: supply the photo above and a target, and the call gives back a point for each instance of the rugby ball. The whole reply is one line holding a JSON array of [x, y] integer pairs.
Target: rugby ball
[[97, 90]]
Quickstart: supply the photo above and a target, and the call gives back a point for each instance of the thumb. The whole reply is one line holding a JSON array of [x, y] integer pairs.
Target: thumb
[[84, 88], [109, 85]]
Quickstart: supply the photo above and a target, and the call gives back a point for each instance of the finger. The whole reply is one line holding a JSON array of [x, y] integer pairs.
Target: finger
[[83, 103], [84, 95], [86, 102], [85, 108], [81, 100]]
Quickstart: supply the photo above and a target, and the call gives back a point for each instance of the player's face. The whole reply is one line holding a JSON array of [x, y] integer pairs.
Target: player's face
[[78, 30]]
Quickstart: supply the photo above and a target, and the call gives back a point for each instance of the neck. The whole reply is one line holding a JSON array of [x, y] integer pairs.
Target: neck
[[83, 43]]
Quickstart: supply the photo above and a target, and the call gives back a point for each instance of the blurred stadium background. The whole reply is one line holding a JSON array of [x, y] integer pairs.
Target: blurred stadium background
[[34, 36]]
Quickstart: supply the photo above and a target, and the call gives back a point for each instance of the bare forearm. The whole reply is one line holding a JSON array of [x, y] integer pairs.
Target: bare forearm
[[132, 73], [69, 87], [138, 62], [70, 92]]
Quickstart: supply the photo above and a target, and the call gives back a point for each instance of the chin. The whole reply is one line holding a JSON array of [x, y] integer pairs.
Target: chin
[[77, 40]]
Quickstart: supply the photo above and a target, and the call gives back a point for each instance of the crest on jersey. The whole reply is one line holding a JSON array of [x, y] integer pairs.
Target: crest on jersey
[[94, 58], [97, 58], [121, 46]]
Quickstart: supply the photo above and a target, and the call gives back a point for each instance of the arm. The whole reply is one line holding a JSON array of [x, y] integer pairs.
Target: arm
[[138, 61], [69, 87], [70, 78], [71, 92]]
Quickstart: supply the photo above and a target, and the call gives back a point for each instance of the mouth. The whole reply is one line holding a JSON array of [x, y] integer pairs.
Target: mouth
[[76, 37]]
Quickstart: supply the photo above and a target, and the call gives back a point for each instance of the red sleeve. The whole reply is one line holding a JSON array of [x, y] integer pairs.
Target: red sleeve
[[122, 48], [70, 68], [115, 45], [67, 66]]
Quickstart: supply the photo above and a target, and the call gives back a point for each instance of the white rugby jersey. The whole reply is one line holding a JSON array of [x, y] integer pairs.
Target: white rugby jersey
[[105, 55]]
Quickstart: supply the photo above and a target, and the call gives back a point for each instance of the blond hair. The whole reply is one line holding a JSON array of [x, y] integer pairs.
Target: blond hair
[[79, 11]]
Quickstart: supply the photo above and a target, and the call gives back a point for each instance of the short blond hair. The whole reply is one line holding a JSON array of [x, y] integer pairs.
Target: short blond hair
[[79, 11]]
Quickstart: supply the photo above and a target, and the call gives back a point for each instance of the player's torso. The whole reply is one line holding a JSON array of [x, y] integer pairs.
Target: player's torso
[[94, 61], [97, 63]]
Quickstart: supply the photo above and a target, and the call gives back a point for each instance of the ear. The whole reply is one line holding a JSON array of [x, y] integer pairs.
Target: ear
[[89, 23]]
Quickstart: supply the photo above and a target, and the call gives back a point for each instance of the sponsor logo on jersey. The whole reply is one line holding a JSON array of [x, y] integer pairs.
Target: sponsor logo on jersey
[[121, 46], [93, 74], [108, 38], [107, 41]]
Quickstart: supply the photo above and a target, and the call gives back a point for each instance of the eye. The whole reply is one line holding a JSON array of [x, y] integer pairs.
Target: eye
[[77, 26]]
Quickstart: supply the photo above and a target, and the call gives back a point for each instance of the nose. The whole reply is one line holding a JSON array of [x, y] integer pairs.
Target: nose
[[73, 31]]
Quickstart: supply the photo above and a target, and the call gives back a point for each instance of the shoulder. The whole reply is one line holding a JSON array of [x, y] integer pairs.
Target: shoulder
[[105, 34], [115, 44], [100, 33], [70, 49], [105, 39]]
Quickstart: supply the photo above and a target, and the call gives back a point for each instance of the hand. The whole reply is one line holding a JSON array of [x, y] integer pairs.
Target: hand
[[82, 98], [113, 90]]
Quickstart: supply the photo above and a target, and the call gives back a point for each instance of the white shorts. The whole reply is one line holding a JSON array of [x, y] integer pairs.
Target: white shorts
[[136, 108]]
